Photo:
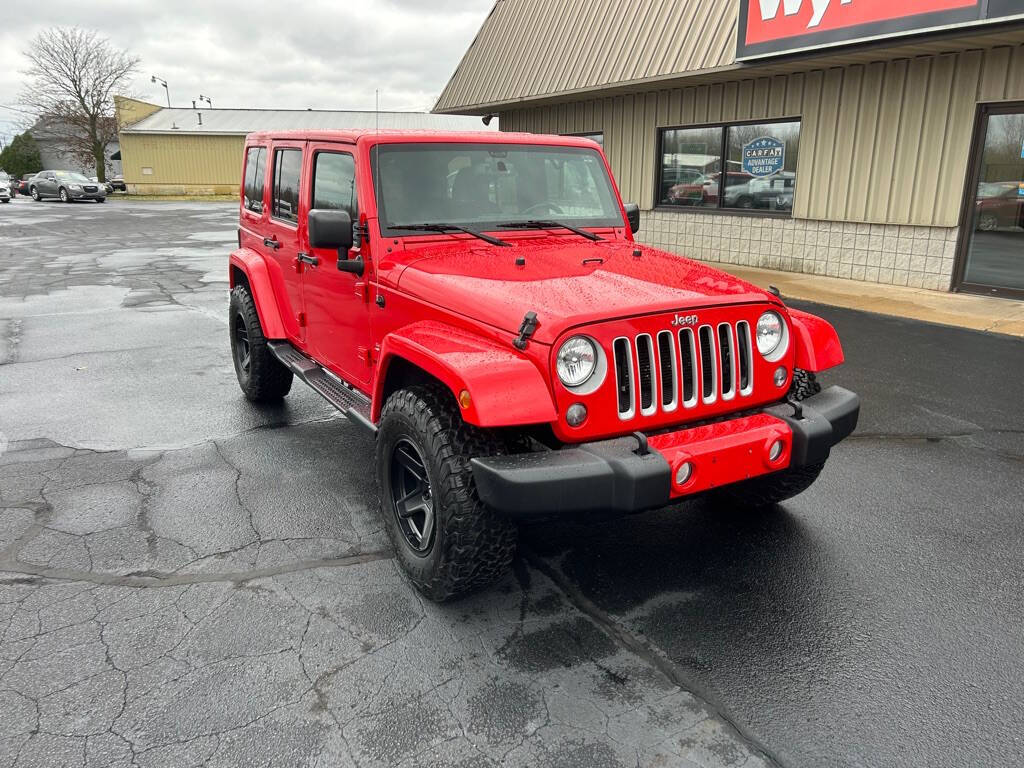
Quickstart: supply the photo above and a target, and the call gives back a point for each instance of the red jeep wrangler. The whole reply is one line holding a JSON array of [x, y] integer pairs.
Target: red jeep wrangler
[[478, 304]]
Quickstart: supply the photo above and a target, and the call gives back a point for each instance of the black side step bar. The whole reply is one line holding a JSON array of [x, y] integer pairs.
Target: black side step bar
[[350, 401]]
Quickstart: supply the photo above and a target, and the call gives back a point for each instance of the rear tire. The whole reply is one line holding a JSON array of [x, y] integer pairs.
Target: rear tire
[[423, 453], [262, 377], [768, 490]]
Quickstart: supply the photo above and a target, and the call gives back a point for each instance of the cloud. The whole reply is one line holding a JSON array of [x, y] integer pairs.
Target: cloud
[[320, 54]]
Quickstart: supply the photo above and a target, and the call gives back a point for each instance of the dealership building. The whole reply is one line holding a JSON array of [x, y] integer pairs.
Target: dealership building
[[877, 140]]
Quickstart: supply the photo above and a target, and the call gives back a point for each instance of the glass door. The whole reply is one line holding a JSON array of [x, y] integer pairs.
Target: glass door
[[992, 255]]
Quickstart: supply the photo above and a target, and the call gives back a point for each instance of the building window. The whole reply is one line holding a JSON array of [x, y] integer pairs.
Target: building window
[[740, 166], [255, 170], [287, 169]]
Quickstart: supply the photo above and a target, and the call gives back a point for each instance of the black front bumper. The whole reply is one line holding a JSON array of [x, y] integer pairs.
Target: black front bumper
[[610, 476]]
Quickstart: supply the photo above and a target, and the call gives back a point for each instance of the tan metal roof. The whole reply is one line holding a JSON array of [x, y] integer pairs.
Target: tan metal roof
[[529, 49]]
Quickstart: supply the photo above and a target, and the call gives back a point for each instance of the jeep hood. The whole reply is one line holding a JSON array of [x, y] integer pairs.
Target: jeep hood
[[566, 283]]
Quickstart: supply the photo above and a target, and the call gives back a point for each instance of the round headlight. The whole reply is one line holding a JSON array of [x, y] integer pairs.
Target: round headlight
[[576, 361], [770, 334]]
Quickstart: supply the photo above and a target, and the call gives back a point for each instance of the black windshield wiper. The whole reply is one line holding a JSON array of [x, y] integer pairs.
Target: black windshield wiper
[[549, 224], [449, 228]]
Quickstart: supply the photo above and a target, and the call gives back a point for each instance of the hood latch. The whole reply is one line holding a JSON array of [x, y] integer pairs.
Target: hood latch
[[526, 329]]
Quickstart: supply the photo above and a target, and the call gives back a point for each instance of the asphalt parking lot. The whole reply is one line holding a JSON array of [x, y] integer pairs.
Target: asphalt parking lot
[[186, 579]]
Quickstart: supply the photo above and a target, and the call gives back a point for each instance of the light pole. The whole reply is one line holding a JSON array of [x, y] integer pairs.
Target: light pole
[[155, 79], [206, 99]]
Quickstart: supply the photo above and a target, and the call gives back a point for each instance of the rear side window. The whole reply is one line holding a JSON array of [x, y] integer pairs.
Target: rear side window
[[334, 183], [255, 170], [287, 170]]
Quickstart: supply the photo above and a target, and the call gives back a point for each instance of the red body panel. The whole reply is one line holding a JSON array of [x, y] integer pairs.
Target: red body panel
[[504, 386], [451, 304], [725, 452], [263, 292], [816, 341]]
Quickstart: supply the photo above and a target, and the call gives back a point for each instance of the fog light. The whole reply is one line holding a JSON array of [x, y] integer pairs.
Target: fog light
[[683, 473], [776, 450], [576, 414], [781, 374]]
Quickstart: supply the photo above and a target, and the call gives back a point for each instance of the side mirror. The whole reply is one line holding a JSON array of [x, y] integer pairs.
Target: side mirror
[[330, 229], [633, 217]]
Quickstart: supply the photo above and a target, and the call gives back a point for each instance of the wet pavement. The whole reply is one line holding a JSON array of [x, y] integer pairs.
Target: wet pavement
[[187, 579]]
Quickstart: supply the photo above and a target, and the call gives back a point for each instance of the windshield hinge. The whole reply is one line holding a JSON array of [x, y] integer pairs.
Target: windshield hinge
[[526, 329]]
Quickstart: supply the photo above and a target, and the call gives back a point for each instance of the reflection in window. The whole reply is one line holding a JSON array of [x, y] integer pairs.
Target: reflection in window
[[750, 166], [255, 160], [764, 156], [287, 170], [690, 159], [334, 183]]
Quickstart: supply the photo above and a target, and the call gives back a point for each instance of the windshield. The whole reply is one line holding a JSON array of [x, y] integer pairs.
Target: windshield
[[66, 176], [483, 185]]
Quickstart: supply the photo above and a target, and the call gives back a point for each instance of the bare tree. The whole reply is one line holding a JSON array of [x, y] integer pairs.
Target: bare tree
[[71, 85]]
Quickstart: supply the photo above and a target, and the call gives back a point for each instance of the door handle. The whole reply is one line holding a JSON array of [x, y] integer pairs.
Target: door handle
[[307, 259], [271, 242]]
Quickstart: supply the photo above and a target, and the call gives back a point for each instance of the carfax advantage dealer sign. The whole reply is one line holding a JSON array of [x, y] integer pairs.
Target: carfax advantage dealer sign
[[776, 27]]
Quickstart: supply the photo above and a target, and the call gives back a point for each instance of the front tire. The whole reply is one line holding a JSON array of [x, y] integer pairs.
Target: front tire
[[446, 540], [35, 194], [262, 377], [101, 200]]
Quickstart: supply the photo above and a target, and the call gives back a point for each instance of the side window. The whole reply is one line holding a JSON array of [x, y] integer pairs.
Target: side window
[[287, 170], [334, 183], [255, 168]]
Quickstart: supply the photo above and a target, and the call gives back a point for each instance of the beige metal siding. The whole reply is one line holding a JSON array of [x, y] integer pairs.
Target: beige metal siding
[[529, 48], [882, 142], [187, 160]]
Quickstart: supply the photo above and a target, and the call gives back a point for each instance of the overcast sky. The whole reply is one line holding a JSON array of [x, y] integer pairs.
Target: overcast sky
[[321, 54]]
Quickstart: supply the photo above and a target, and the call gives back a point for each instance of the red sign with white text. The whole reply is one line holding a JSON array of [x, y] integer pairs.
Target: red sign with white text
[[776, 19], [780, 27]]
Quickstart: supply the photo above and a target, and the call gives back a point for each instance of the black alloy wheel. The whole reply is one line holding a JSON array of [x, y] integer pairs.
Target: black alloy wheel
[[243, 351], [412, 501]]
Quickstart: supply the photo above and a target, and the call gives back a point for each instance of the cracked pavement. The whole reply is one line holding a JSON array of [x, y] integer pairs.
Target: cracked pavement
[[187, 579]]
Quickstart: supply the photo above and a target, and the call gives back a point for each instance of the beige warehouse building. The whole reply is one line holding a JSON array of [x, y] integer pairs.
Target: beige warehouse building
[[179, 151], [875, 141]]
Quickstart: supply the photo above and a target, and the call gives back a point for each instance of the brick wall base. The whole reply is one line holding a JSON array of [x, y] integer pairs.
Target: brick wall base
[[919, 257]]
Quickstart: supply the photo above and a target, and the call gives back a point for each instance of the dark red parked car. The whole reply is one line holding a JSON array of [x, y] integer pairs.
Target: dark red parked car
[[999, 205], [478, 304]]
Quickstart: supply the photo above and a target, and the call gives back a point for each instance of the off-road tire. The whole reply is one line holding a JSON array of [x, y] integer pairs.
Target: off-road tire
[[266, 380], [805, 384], [472, 546], [768, 490]]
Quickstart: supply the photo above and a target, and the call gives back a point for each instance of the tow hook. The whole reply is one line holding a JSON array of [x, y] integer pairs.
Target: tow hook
[[798, 409], [526, 329]]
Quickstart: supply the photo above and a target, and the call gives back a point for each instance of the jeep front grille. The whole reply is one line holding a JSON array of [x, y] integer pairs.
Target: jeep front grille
[[683, 369]]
